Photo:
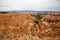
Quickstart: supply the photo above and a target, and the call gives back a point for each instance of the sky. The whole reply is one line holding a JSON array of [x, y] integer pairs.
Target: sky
[[40, 5]]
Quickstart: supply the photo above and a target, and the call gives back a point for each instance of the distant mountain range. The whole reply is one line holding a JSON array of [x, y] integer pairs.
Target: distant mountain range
[[29, 11]]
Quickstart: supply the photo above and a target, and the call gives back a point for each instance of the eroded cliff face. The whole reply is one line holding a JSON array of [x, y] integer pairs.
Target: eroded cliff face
[[22, 26]]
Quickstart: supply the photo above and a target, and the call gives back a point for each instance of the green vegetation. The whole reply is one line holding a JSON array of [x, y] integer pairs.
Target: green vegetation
[[53, 21], [37, 17], [3, 12]]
